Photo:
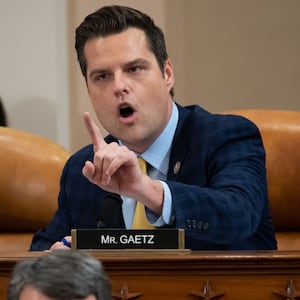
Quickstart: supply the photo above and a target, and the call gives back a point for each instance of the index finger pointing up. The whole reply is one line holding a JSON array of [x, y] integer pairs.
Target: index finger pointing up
[[93, 130]]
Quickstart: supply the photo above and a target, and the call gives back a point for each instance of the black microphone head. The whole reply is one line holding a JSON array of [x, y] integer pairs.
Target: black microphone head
[[109, 213]]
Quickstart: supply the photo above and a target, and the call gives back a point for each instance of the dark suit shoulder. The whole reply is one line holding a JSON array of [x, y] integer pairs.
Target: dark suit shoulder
[[194, 120], [85, 153], [200, 116], [201, 134]]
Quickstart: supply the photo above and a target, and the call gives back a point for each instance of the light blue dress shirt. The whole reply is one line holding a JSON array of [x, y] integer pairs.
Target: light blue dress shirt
[[157, 157]]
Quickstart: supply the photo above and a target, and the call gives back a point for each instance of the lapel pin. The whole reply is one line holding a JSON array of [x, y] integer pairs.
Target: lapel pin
[[176, 167]]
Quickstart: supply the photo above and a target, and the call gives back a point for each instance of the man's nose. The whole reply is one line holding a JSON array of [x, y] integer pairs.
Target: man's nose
[[120, 84]]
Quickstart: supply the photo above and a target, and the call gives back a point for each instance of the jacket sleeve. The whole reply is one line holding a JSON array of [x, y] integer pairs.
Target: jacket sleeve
[[59, 226]]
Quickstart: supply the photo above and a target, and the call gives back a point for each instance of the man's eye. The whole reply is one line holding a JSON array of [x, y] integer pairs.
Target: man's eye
[[135, 69], [101, 77]]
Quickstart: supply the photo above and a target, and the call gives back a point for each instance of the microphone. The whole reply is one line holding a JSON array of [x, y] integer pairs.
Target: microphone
[[109, 213]]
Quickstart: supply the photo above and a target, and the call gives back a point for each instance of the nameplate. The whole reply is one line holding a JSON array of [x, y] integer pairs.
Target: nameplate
[[128, 239]]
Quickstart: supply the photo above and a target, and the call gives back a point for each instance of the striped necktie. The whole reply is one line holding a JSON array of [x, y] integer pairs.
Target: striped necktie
[[140, 219]]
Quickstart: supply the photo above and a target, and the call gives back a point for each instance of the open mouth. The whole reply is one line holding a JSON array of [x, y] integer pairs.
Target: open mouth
[[126, 111]]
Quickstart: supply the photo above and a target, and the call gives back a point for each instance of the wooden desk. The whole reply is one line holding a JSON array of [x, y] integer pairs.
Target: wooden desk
[[156, 275]]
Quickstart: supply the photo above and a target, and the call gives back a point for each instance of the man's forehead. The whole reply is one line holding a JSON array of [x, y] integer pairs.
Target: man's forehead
[[132, 37]]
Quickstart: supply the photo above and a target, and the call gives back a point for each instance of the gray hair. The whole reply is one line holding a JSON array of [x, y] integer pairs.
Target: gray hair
[[61, 274]]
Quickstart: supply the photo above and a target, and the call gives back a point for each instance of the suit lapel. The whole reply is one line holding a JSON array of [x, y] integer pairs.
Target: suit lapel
[[179, 145]]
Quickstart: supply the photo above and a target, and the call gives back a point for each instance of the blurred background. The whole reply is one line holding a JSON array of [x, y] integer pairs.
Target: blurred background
[[227, 54]]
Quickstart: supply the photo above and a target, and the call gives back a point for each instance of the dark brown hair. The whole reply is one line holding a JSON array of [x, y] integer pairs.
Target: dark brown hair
[[115, 19]]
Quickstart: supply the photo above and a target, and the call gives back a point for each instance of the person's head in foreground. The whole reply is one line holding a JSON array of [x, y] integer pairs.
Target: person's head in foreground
[[59, 275]]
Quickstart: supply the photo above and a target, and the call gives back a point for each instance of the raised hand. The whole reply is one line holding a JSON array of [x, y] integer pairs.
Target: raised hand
[[115, 168]]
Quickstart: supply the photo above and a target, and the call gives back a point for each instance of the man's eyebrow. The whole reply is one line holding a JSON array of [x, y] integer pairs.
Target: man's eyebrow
[[126, 65], [136, 62], [97, 71]]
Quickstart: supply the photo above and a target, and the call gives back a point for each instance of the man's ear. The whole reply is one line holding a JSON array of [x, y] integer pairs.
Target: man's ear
[[169, 74]]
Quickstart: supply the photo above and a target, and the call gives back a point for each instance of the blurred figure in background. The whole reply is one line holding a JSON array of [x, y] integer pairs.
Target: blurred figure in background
[[59, 275], [3, 119]]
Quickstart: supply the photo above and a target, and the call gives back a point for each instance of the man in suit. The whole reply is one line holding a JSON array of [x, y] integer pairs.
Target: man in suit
[[206, 173]]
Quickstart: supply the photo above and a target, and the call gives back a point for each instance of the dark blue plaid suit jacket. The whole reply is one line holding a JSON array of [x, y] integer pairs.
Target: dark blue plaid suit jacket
[[217, 178]]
